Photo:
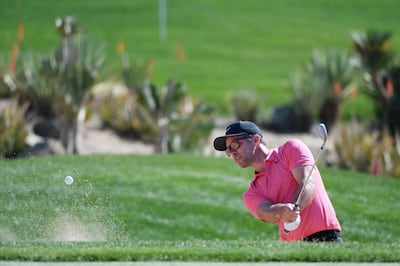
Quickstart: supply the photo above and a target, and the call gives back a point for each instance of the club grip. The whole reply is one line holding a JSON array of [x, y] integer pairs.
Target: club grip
[[295, 208]]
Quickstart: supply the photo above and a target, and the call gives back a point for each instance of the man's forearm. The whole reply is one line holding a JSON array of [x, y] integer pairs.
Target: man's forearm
[[307, 196], [268, 212]]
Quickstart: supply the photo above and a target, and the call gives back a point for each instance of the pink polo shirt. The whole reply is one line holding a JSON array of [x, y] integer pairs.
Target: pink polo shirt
[[278, 185]]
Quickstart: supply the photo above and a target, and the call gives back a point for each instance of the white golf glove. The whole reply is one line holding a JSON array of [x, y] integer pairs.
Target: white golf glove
[[291, 226]]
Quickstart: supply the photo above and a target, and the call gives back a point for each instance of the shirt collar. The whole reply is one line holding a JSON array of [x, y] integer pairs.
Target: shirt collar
[[271, 157]]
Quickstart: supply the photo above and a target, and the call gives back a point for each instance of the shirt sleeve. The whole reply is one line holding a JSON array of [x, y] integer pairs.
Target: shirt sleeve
[[297, 153], [252, 200]]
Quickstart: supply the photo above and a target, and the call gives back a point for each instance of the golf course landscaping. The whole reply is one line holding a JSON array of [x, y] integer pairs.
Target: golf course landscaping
[[183, 207], [215, 48]]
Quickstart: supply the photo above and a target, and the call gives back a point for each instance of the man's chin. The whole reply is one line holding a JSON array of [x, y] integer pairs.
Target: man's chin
[[242, 164]]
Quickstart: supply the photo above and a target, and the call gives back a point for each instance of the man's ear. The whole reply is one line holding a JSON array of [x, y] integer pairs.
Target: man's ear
[[257, 139]]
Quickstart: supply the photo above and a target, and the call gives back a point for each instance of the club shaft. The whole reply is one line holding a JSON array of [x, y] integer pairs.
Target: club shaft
[[297, 202]]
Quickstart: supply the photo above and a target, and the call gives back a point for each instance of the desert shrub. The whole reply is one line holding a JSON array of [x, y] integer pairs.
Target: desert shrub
[[35, 83], [57, 85], [119, 110], [165, 115], [322, 85], [12, 130], [245, 105], [169, 118], [394, 101], [360, 148], [374, 56], [5, 91]]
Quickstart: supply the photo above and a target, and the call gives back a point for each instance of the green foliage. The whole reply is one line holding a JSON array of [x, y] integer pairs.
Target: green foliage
[[373, 55], [359, 148], [78, 62], [119, 110], [190, 131], [5, 91], [394, 101], [372, 49], [167, 117], [12, 130], [321, 86], [245, 105], [78, 77], [57, 85], [35, 82]]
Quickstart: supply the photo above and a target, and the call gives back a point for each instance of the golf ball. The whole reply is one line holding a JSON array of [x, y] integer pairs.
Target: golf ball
[[68, 180]]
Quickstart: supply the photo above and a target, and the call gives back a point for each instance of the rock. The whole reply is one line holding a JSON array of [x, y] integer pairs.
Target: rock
[[46, 129], [284, 119], [45, 148]]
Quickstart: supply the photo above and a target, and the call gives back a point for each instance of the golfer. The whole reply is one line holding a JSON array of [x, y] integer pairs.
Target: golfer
[[278, 177]]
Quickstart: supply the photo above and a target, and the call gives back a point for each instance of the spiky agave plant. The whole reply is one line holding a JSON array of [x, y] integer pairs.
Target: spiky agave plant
[[166, 116], [12, 130]]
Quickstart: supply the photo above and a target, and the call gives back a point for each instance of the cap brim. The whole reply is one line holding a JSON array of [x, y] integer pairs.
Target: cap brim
[[220, 142]]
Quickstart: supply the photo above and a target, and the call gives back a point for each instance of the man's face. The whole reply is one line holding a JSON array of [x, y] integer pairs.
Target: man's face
[[241, 149]]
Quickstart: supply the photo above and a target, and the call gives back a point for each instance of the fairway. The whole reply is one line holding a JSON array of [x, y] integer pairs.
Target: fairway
[[173, 212], [154, 263]]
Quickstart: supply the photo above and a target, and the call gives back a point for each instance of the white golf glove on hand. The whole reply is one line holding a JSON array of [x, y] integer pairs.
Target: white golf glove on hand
[[291, 226]]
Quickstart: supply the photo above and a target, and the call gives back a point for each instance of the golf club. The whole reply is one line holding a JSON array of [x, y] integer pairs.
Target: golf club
[[320, 131]]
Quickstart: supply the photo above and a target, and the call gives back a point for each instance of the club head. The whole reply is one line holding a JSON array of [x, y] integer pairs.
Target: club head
[[321, 132]]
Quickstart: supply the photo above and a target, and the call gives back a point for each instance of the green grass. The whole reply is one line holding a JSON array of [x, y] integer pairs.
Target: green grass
[[229, 45], [175, 207], [217, 251]]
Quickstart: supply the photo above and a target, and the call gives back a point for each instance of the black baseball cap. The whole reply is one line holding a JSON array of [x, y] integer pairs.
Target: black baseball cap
[[236, 129]]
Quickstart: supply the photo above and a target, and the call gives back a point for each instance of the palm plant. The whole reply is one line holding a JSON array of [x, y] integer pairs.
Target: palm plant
[[12, 130], [394, 104], [57, 86], [76, 79], [245, 105], [36, 81], [168, 116], [5, 91], [324, 83], [372, 53]]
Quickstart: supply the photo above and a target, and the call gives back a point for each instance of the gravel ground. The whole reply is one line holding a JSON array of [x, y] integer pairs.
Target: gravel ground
[[98, 140]]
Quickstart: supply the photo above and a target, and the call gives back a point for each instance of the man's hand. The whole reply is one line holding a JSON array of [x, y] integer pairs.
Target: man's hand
[[286, 213], [280, 211]]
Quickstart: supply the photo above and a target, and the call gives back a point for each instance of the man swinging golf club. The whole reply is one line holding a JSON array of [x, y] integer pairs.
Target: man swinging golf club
[[287, 188]]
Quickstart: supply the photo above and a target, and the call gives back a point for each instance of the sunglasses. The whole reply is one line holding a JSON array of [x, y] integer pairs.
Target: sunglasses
[[235, 144]]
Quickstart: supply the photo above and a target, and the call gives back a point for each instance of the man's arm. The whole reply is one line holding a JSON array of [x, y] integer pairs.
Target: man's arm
[[300, 174], [272, 213]]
